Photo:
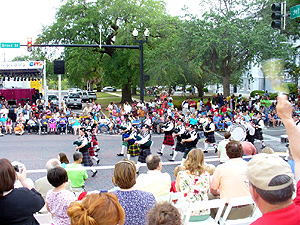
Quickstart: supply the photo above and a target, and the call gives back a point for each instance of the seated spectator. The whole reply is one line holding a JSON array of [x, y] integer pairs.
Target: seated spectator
[[248, 148], [59, 199], [164, 214], [154, 181], [230, 181], [267, 150], [79, 175], [18, 167], [62, 124], [32, 125], [193, 183], [42, 185], [102, 208], [17, 205], [19, 128], [102, 123], [8, 125], [176, 171], [136, 203], [62, 157], [44, 124], [272, 191], [76, 124], [221, 148]]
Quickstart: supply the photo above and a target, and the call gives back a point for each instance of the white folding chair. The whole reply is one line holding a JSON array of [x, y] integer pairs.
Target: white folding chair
[[240, 201], [202, 205], [43, 219], [163, 198]]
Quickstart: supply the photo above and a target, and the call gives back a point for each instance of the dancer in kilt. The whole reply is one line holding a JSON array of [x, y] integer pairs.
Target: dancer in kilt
[[209, 132], [189, 139], [93, 144], [125, 128], [82, 146], [144, 141], [259, 125], [168, 139], [178, 131], [132, 148]]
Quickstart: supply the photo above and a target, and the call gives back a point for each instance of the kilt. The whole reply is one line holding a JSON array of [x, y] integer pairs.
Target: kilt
[[186, 152], [179, 147], [91, 151], [133, 150], [258, 134], [210, 137], [143, 155], [86, 161], [168, 140]]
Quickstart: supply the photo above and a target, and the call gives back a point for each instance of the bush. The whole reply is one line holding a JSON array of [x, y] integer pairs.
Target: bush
[[260, 92], [292, 87], [177, 104], [205, 89], [273, 96]]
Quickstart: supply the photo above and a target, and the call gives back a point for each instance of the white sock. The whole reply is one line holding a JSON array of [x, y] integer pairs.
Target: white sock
[[174, 155], [205, 146], [93, 170], [94, 157], [162, 148], [182, 161], [123, 149], [128, 156]]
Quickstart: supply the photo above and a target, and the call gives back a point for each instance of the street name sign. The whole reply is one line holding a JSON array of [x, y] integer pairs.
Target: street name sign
[[10, 45], [295, 11]]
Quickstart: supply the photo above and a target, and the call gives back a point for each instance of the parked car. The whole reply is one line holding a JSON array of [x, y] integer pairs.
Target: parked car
[[74, 90], [74, 100], [53, 98], [88, 96], [108, 89]]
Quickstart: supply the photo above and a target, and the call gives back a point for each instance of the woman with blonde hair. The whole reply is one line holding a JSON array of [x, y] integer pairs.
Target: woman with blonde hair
[[97, 209], [194, 183]]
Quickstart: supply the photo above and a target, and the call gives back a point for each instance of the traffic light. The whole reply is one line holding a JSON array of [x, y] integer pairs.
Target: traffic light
[[29, 44], [279, 15]]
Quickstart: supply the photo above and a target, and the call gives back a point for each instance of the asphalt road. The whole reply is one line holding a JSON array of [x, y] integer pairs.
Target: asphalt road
[[34, 151]]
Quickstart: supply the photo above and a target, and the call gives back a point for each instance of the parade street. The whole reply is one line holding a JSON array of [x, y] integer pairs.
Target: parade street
[[35, 150]]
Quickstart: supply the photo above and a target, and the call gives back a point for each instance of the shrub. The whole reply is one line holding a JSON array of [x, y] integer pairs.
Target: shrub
[[292, 87], [177, 104], [205, 89], [273, 96], [260, 92]]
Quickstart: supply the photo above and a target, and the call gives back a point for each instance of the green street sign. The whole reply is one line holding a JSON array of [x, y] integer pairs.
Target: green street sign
[[10, 45], [295, 11]]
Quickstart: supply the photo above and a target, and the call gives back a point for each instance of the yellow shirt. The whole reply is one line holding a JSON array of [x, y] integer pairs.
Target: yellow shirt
[[231, 179], [154, 181]]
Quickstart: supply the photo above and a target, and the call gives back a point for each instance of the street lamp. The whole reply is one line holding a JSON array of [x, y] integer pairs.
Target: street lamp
[[141, 42]]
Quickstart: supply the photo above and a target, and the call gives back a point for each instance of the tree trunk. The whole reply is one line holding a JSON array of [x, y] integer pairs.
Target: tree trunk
[[200, 87], [226, 84], [133, 91], [126, 93]]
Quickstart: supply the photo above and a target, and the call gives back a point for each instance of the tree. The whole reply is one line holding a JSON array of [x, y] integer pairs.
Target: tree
[[77, 22], [231, 35]]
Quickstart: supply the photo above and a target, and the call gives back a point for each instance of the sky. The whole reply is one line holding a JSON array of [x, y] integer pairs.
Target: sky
[[21, 19]]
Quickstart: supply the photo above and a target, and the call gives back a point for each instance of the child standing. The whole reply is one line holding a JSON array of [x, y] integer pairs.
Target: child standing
[[59, 199]]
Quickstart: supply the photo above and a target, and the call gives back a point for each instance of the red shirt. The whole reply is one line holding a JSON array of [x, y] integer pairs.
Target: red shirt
[[289, 215], [192, 104]]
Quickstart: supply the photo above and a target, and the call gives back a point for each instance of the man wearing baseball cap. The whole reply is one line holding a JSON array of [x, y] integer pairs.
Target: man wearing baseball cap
[[271, 179]]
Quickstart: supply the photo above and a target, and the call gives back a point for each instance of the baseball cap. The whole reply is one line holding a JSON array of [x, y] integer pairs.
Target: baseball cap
[[262, 168]]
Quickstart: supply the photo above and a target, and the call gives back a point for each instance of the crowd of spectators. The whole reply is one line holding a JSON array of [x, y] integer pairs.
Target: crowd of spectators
[[135, 200]]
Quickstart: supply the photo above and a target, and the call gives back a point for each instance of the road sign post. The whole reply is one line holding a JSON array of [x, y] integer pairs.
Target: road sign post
[[10, 45], [295, 11]]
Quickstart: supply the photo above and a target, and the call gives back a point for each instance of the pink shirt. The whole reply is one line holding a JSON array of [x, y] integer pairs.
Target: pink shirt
[[230, 178]]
